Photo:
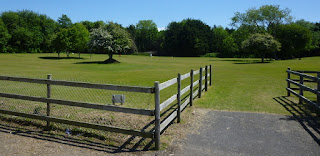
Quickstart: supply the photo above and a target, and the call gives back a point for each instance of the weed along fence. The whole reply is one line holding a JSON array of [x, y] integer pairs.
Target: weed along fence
[[303, 81], [103, 107]]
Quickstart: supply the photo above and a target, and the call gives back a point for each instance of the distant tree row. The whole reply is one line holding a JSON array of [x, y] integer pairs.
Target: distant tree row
[[266, 32]]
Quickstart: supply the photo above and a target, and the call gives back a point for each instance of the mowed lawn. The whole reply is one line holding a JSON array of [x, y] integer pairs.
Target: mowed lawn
[[238, 84]]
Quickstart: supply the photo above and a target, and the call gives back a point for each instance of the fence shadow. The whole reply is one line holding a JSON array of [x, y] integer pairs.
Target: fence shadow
[[303, 114], [130, 145]]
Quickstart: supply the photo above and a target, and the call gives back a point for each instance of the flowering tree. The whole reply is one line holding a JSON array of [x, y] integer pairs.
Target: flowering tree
[[114, 41], [261, 44]]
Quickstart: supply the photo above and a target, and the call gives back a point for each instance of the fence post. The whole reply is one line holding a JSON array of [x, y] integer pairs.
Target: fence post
[[318, 88], [157, 115], [191, 87], [179, 98], [288, 83], [200, 82], [48, 96], [206, 79], [210, 75], [301, 90]]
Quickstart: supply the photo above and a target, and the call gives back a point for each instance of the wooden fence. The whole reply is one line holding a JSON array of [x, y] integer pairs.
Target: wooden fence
[[205, 74], [304, 77]]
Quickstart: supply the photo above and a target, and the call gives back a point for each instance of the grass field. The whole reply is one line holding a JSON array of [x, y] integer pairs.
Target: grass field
[[238, 84]]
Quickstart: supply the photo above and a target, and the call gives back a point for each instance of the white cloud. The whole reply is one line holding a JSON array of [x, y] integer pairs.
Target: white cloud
[[161, 28]]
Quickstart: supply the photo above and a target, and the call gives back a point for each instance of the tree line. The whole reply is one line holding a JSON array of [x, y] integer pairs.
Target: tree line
[[266, 32]]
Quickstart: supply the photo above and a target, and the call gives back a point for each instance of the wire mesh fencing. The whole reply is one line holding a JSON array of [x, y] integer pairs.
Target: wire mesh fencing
[[135, 100]]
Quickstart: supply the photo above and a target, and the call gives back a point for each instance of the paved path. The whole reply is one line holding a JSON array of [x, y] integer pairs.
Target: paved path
[[238, 133], [218, 133]]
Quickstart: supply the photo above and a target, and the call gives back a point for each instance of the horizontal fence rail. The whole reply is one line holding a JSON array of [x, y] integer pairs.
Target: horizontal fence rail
[[186, 93], [81, 84], [302, 87]]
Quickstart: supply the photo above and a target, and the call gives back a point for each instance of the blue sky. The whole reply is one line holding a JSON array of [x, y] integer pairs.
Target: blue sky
[[126, 12]]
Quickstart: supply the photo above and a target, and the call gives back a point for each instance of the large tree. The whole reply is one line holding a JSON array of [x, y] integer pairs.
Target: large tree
[[315, 33], [261, 45], [146, 35], [79, 37], [219, 34], [62, 41], [64, 21], [30, 32], [295, 40], [263, 18], [187, 38], [4, 37], [116, 40]]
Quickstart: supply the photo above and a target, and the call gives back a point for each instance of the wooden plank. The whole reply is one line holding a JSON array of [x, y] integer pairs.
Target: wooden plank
[[184, 76], [168, 102], [203, 87], [184, 105], [288, 84], [203, 78], [318, 89], [210, 75], [191, 87], [157, 110], [195, 83], [304, 75], [184, 90], [301, 89], [304, 98], [200, 82], [304, 87], [206, 79], [196, 72], [81, 84], [81, 104], [167, 83], [81, 124], [167, 121], [304, 80], [179, 99], [195, 93], [300, 71], [48, 96]]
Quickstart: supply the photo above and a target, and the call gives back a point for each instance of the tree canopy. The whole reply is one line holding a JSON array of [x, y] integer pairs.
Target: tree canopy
[[112, 39], [187, 38], [26, 31], [261, 45], [145, 35], [263, 18]]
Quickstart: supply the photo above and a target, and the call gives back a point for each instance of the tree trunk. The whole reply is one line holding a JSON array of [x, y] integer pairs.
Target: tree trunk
[[59, 54], [262, 59], [68, 54], [79, 54], [110, 56], [110, 59]]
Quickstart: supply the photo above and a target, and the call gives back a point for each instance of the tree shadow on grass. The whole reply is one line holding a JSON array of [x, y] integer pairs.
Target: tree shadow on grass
[[245, 61], [133, 144], [61, 58], [304, 114], [252, 62], [98, 62]]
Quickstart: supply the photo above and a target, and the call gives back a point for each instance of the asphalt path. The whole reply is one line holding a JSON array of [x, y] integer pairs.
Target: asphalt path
[[240, 133]]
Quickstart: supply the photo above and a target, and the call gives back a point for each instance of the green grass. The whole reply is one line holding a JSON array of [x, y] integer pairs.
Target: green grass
[[238, 84]]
